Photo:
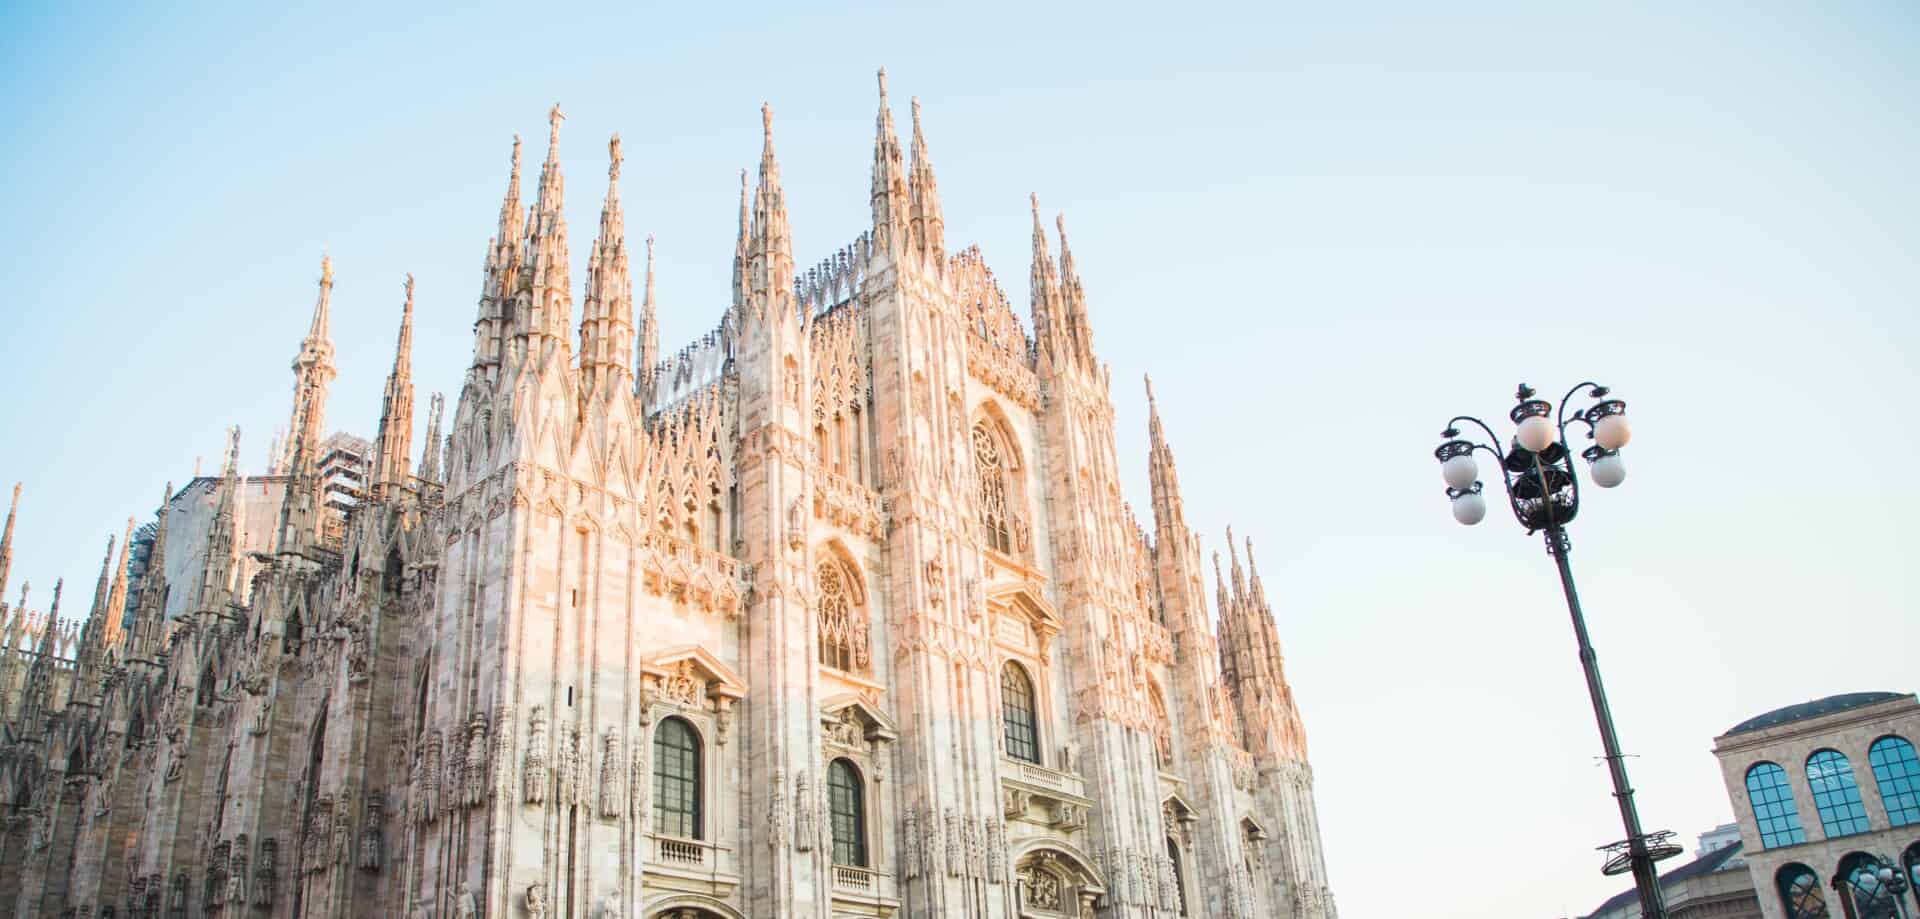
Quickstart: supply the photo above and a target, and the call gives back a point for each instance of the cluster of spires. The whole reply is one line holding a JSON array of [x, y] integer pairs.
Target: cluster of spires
[[1251, 662]]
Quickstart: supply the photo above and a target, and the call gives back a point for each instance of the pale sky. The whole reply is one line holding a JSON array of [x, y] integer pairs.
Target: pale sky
[[1322, 231]]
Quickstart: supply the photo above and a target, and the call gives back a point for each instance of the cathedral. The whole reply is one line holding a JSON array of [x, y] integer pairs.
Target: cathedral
[[837, 611]]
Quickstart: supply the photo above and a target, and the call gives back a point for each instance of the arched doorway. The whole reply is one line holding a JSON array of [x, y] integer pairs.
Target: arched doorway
[[1053, 882]]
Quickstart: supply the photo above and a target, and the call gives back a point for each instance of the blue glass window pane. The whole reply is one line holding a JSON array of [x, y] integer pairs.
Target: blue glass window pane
[[1898, 772], [1830, 777], [1773, 806]]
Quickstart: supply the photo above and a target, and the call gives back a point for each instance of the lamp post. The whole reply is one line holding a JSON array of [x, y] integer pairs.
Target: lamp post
[[1894, 882], [1543, 489]]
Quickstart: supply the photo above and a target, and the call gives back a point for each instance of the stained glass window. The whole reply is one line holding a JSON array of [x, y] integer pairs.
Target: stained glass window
[[1898, 773], [1773, 806], [676, 779], [1017, 714], [1836, 796], [849, 812]]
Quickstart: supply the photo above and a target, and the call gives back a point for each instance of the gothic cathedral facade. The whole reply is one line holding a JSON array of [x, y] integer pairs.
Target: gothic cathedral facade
[[837, 611]]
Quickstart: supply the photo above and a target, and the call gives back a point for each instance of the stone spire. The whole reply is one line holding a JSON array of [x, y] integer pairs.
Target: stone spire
[[929, 227], [6, 542], [313, 372], [1168, 511], [223, 536], [96, 615], [117, 593], [546, 281], [150, 609], [742, 286], [892, 199], [1073, 300], [1045, 284], [394, 441], [606, 327], [430, 457], [494, 325], [770, 246], [649, 336]]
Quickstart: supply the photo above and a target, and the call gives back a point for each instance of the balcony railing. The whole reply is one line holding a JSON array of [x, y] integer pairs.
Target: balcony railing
[[682, 853], [855, 880]]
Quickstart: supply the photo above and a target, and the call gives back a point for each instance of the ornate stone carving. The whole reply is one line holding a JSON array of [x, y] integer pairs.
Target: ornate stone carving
[[956, 845], [613, 777], [430, 777], [803, 813], [476, 764], [996, 850], [777, 812], [536, 771], [536, 901], [910, 836], [266, 875], [567, 767], [370, 834]]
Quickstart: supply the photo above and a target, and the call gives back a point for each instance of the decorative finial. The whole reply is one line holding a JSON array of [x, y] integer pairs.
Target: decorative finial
[[766, 121], [614, 159], [649, 251], [1523, 393], [1033, 197], [1149, 378], [883, 83], [554, 117], [409, 291], [1060, 224], [326, 269], [516, 153], [914, 103]]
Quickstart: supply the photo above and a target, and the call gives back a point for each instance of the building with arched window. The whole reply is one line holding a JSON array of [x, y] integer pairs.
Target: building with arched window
[[839, 610], [1826, 793]]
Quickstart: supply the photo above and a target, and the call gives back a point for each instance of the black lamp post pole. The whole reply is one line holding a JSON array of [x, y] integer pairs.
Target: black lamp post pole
[[1543, 489], [1646, 877]]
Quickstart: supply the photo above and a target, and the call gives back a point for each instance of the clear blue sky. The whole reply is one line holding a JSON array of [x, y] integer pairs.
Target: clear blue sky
[[1322, 232]]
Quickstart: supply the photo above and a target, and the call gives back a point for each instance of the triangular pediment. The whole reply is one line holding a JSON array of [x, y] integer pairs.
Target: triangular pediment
[[721, 680], [1026, 599], [874, 723]]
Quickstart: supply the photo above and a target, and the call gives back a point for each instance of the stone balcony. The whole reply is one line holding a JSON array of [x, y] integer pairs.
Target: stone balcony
[[1051, 798], [692, 865], [863, 891]]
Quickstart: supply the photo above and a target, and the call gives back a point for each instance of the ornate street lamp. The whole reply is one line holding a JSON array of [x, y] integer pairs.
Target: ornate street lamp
[[1543, 489]]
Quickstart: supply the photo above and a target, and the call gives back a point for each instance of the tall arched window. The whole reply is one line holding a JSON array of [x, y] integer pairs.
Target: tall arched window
[[1862, 894], [996, 523], [1800, 893], [1898, 774], [849, 814], [676, 779], [844, 638], [1017, 714], [1179, 875], [1773, 807], [1836, 796]]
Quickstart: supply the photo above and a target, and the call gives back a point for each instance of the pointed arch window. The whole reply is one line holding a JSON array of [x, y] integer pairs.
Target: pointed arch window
[[1800, 893], [1897, 772], [999, 521], [844, 629], [1017, 714], [676, 779], [1835, 795], [1773, 807], [847, 805]]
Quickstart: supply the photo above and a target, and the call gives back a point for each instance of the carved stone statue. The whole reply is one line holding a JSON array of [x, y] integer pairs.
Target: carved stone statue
[[476, 784], [803, 827], [467, 906], [536, 901], [536, 771], [612, 777], [568, 766]]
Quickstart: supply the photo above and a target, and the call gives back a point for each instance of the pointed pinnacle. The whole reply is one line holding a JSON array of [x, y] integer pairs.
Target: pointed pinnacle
[[554, 117], [614, 158], [1150, 403]]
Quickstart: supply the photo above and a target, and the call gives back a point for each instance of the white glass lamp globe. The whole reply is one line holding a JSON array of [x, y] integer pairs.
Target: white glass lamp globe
[[1609, 471], [1612, 432], [1469, 508], [1535, 433], [1460, 471]]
